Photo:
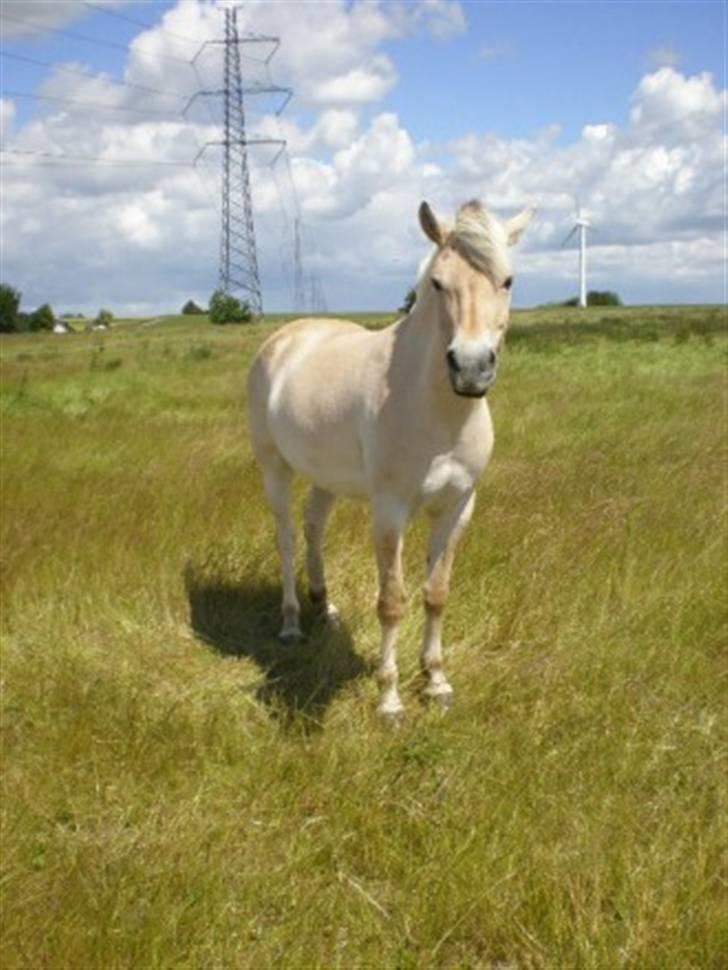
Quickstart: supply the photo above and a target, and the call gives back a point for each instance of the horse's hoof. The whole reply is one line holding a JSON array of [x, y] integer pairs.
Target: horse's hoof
[[391, 714], [291, 636], [393, 720], [442, 699]]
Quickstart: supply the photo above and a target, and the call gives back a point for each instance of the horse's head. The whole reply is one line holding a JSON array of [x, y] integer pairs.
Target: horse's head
[[470, 279]]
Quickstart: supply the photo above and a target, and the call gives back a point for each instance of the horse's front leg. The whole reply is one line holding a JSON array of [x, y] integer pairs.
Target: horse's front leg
[[446, 531], [390, 519]]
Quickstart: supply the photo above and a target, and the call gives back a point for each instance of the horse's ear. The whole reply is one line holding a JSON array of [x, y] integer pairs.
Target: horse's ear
[[516, 226], [430, 226]]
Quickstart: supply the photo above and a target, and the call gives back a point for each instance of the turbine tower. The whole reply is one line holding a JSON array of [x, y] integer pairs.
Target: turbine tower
[[581, 224]]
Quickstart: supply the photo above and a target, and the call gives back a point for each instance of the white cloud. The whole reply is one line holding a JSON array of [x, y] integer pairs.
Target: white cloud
[[442, 19], [668, 98], [7, 115], [379, 158], [42, 15], [360, 85], [598, 134], [147, 235], [336, 58]]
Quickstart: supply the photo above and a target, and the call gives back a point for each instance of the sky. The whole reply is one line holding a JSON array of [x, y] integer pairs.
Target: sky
[[618, 107]]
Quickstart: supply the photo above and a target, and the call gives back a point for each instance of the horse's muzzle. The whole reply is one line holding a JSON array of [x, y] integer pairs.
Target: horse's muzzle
[[472, 391], [471, 378]]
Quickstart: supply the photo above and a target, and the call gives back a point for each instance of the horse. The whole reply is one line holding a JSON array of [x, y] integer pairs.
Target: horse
[[396, 416]]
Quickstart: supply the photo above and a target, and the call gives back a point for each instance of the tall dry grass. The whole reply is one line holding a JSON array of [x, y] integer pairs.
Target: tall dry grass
[[180, 790]]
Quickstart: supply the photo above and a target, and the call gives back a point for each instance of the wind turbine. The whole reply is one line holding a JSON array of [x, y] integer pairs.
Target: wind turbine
[[581, 224]]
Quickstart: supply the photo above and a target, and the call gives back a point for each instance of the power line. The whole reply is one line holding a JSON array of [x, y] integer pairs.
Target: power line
[[62, 156], [138, 23], [92, 40], [92, 75], [238, 251], [86, 104]]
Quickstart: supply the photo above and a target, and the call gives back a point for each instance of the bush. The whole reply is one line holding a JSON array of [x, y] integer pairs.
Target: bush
[[602, 298], [42, 319], [102, 320], [596, 298], [191, 307], [225, 308], [9, 304]]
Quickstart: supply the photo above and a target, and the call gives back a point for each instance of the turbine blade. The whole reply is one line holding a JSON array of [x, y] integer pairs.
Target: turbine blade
[[569, 236]]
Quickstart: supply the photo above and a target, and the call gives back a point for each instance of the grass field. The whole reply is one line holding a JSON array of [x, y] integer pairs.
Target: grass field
[[181, 791]]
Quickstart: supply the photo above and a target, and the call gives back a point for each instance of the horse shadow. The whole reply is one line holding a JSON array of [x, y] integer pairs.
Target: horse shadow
[[300, 680]]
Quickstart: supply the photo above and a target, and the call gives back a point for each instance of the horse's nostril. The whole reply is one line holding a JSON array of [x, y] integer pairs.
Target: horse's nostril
[[452, 360], [490, 358]]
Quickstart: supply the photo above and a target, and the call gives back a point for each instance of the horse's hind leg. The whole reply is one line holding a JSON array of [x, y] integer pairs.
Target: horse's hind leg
[[318, 510], [277, 481]]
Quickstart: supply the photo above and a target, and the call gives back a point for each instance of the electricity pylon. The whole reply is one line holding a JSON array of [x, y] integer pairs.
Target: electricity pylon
[[239, 273]]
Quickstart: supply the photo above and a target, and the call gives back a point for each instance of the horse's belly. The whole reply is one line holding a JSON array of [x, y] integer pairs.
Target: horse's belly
[[330, 457]]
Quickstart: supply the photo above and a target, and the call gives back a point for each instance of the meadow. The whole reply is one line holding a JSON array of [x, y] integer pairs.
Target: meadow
[[181, 791]]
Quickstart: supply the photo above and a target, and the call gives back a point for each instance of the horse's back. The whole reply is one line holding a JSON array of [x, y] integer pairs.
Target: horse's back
[[300, 353]]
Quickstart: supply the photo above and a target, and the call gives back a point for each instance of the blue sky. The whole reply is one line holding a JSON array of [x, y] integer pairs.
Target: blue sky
[[526, 64], [620, 103]]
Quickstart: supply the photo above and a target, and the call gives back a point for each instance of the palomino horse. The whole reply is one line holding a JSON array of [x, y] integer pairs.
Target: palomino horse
[[396, 416]]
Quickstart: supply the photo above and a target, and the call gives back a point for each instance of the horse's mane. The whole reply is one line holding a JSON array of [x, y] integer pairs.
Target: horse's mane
[[479, 238], [482, 240]]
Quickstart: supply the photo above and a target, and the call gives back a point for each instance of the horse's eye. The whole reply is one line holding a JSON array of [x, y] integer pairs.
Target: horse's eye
[[438, 285], [508, 283]]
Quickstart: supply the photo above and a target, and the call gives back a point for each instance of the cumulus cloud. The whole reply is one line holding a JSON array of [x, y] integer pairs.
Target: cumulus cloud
[[144, 236], [22, 19], [667, 97], [7, 114]]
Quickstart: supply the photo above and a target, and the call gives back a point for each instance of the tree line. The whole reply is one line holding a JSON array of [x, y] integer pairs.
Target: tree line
[[15, 320], [223, 309]]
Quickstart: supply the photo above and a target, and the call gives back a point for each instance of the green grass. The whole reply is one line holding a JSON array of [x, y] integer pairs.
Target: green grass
[[181, 791]]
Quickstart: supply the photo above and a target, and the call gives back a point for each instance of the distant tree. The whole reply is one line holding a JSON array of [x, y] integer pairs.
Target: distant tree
[[9, 304], [225, 308], [103, 320], [409, 301], [596, 298], [191, 307], [602, 298], [42, 319]]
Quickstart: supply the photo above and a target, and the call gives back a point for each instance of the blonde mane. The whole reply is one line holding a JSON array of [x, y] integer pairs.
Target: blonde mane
[[480, 238]]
